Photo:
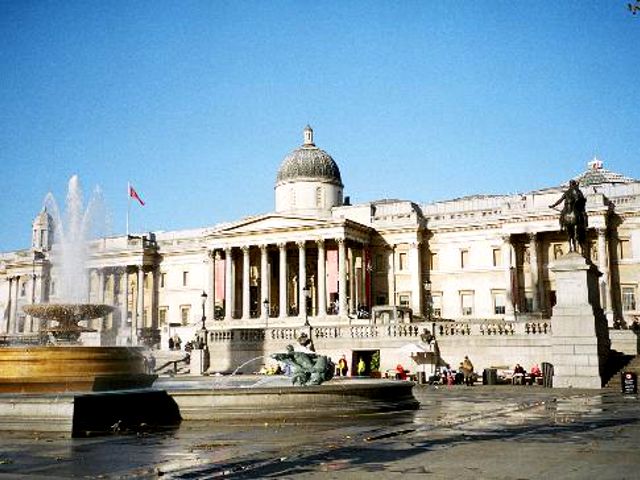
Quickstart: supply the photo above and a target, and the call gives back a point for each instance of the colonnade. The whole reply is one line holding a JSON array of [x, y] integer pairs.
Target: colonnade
[[286, 278], [118, 278]]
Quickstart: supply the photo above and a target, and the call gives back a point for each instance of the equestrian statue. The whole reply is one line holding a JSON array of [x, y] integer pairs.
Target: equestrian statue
[[573, 217]]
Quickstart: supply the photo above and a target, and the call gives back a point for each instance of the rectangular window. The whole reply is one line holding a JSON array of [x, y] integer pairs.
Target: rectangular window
[[185, 279], [436, 301], [628, 299], [466, 302], [404, 300], [499, 302], [379, 263], [464, 258], [184, 314], [624, 249], [433, 261], [528, 303], [557, 250], [402, 261], [162, 315], [163, 280], [497, 257]]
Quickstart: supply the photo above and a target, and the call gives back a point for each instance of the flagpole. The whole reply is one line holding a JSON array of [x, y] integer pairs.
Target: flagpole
[[128, 205]]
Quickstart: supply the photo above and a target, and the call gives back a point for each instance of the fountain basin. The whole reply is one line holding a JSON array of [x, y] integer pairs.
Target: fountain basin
[[252, 399], [44, 369]]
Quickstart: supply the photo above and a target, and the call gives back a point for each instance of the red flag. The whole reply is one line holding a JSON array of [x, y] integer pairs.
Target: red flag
[[134, 194]]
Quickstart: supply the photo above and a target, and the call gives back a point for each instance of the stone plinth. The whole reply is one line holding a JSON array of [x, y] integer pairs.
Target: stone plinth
[[580, 337]]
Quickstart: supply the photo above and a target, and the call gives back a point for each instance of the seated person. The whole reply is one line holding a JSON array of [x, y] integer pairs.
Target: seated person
[[401, 373], [518, 374]]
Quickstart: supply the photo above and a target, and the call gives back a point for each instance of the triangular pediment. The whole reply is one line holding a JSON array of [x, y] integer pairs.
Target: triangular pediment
[[274, 222]]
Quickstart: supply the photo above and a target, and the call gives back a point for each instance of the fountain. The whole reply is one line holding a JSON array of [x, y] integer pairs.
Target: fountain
[[309, 394], [62, 366]]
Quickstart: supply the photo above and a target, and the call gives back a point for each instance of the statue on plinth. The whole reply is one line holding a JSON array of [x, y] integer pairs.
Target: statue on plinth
[[573, 217]]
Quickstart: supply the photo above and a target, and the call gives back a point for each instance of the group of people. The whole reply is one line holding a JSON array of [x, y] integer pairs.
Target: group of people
[[520, 376], [464, 374]]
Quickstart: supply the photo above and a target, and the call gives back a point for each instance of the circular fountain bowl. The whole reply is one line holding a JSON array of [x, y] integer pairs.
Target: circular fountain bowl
[[71, 369]]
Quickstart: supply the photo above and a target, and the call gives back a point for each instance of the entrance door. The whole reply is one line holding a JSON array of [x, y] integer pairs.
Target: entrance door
[[367, 357]]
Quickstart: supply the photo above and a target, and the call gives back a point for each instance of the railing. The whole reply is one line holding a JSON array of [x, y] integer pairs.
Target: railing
[[410, 331]]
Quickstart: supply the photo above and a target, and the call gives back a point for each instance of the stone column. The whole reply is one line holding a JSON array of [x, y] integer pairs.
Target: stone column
[[6, 317], [351, 279], [124, 305], [137, 320], [509, 311], [264, 279], [391, 275], [154, 297], [100, 299], [535, 271], [14, 306], [342, 276], [211, 285], [302, 279], [228, 286], [322, 279], [416, 278], [605, 281], [283, 280], [246, 286]]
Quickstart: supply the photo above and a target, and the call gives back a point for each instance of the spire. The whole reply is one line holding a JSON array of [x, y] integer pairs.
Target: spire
[[308, 137]]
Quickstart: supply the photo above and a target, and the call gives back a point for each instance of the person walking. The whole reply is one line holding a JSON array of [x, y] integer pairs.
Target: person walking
[[467, 371], [362, 367]]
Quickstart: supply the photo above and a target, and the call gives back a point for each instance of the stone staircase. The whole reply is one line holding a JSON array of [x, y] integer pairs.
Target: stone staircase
[[171, 362], [632, 365]]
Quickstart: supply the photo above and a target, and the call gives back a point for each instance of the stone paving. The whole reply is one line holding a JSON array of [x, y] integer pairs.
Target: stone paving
[[480, 432]]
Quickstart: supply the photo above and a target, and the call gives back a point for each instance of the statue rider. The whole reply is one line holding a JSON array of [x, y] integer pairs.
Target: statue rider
[[573, 217]]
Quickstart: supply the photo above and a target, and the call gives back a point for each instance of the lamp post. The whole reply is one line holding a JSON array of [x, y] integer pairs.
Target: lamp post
[[203, 297], [265, 312], [305, 294]]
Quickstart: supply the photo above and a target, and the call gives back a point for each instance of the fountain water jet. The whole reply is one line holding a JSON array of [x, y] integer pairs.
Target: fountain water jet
[[55, 376]]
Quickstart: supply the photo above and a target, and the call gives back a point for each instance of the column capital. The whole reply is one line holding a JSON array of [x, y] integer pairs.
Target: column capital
[[263, 247], [301, 243], [320, 242], [340, 241], [227, 249], [282, 245], [506, 238], [245, 249], [415, 244], [532, 236]]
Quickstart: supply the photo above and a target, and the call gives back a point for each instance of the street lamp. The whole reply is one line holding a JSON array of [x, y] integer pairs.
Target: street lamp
[[306, 294], [265, 312], [204, 302]]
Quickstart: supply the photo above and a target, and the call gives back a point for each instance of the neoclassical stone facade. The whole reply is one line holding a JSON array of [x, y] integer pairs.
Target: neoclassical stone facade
[[317, 259]]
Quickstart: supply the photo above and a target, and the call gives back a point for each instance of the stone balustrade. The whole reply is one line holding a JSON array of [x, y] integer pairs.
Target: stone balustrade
[[409, 331]]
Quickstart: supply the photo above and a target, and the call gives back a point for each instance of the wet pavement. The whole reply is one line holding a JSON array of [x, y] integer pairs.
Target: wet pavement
[[480, 432]]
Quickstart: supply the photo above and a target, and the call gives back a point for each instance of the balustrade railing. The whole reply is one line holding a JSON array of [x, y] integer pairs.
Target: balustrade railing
[[410, 331]]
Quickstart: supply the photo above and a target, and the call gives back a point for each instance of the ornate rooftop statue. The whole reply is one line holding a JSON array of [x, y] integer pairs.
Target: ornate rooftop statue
[[307, 368], [573, 217]]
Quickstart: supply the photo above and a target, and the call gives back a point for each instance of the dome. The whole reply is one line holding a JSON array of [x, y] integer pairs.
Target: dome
[[596, 174], [309, 163]]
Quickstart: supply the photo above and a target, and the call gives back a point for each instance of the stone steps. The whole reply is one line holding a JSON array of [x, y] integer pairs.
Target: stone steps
[[632, 366]]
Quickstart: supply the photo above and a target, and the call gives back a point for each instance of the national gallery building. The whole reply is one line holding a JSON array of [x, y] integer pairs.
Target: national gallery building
[[358, 279]]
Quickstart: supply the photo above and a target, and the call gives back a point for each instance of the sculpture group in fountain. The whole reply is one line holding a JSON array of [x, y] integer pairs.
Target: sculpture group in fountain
[[307, 368]]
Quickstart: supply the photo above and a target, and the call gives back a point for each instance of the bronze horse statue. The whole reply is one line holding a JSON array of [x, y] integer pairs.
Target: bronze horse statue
[[573, 217]]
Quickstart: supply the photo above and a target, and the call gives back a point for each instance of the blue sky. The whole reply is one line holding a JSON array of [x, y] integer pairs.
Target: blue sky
[[197, 103]]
